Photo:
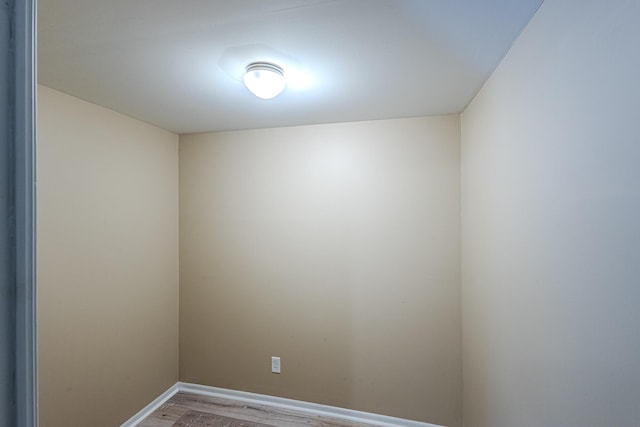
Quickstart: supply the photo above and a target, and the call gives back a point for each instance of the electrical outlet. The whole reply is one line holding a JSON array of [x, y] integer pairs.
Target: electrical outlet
[[275, 364]]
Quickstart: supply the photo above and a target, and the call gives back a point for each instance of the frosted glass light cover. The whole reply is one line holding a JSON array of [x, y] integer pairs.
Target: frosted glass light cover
[[264, 80]]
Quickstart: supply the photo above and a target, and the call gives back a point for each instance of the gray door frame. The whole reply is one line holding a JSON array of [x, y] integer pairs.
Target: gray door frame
[[18, 370]]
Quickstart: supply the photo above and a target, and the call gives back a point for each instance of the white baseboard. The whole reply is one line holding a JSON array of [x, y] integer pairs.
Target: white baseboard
[[147, 410], [278, 402]]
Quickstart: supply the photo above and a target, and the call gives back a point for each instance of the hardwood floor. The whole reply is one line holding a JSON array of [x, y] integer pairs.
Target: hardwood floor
[[192, 410]]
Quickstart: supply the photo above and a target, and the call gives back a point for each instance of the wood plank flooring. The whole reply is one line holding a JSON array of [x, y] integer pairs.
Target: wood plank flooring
[[186, 409]]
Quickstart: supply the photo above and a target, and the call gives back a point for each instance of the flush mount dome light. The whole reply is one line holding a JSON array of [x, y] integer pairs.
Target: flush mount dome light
[[264, 80]]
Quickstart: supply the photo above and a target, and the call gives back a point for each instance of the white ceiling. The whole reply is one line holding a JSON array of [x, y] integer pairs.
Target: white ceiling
[[178, 64]]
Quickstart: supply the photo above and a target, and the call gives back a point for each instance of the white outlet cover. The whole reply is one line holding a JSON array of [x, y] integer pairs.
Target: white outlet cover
[[275, 365]]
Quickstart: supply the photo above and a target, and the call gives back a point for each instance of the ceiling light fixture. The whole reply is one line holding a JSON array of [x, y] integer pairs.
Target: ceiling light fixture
[[264, 80]]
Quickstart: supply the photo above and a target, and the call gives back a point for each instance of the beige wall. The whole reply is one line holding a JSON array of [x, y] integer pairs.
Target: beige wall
[[551, 229], [335, 247], [107, 262]]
